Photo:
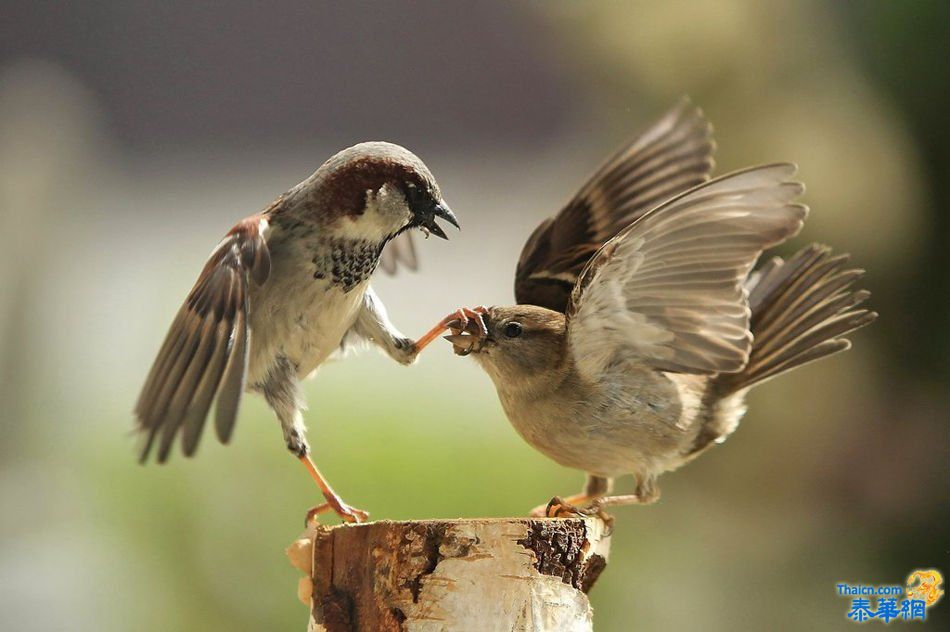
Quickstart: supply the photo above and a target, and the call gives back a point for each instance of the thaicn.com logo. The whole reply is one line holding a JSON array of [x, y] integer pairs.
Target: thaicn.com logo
[[886, 603]]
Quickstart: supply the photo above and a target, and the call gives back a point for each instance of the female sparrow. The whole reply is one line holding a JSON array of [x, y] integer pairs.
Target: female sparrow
[[640, 327]]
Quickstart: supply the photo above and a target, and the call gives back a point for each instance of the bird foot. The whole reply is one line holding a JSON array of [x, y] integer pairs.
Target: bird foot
[[468, 329], [456, 322], [333, 502], [459, 320], [558, 507], [571, 502], [346, 513]]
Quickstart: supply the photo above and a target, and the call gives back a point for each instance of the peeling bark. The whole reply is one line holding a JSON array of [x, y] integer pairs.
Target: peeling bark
[[505, 574]]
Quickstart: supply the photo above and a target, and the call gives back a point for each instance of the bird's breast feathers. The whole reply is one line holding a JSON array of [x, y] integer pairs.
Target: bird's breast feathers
[[626, 423], [305, 328], [309, 303]]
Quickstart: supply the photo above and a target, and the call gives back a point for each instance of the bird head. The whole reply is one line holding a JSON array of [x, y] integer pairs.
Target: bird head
[[374, 191], [510, 342]]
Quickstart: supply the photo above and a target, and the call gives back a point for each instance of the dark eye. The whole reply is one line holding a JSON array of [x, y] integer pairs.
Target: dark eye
[[513, 330], [414, 195]]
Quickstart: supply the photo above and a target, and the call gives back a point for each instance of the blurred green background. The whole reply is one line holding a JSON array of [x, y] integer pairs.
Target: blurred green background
[[133, 135]]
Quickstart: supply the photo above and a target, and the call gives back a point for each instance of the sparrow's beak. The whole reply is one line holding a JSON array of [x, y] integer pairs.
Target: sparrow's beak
[[427, 219], [463, 344], [468, 340]]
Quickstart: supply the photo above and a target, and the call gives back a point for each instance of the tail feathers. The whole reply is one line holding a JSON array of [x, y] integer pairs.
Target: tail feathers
[[801, 308]]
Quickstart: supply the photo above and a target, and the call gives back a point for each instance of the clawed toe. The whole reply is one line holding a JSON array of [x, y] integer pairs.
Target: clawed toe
[[346, 513], [557, 507], [457, 322], [352, 514], [469, 329], [313, 512], [471, 320], [477, 317]]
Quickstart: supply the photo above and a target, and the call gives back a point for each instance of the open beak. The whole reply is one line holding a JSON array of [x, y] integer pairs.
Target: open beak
[[441, 210], [463, 344], [468, 340]]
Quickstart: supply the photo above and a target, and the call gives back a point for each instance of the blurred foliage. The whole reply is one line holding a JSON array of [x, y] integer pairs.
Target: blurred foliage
[[839, 471]]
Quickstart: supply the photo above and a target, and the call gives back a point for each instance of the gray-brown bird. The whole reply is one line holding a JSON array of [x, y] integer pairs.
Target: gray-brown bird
[[640, 325], [284, 290]]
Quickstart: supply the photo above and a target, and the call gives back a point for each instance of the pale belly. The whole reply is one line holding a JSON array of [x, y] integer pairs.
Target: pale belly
[[304, 326], [639, 428]]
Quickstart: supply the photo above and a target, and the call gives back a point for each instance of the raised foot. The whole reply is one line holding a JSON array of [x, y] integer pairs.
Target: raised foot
[[456, 321], [469, 329], [465, 319]]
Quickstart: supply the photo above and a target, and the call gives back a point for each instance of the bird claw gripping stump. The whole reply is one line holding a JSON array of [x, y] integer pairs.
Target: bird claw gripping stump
[[557, 507]]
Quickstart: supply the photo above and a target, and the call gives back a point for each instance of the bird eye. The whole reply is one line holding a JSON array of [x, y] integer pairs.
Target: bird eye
[[513, 330]]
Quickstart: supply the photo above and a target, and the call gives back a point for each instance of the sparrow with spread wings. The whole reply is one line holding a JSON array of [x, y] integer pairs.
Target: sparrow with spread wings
[[283, 291], [640, 326]]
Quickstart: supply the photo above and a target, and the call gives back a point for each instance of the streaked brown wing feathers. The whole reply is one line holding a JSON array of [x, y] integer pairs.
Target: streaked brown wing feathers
[[233, 382], [205, 351], [669, 288], [673, 155]]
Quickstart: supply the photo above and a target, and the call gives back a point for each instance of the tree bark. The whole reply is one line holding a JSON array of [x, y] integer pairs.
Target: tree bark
[[500, 574]]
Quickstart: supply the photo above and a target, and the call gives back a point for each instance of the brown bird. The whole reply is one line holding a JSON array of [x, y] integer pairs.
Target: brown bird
[[639, 328], [284, 290]]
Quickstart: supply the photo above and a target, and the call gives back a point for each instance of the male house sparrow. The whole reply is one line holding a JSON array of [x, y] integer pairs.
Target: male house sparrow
[[281, 293], [640, 329]]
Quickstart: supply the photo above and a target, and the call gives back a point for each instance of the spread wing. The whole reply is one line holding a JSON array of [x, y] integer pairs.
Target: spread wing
[[673, 155], [669, 289], [205, 353], [400, 251]]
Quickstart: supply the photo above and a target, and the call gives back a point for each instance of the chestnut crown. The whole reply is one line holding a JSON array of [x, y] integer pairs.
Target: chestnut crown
[[375, 189]]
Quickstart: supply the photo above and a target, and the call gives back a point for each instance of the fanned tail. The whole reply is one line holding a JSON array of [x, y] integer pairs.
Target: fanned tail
[[801, 308]]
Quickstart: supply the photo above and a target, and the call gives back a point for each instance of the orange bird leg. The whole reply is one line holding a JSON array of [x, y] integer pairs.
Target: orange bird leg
[[334, 502], [456, 320], [432, 334]]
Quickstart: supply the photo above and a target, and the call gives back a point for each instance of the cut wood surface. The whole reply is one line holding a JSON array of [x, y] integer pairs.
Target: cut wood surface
[[487, 574]]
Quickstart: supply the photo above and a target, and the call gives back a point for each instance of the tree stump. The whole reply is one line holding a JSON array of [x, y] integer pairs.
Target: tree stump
[[490, 574]]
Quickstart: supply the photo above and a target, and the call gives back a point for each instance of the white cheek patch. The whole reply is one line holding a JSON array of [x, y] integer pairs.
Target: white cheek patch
[[390, 200], [386, 212]]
